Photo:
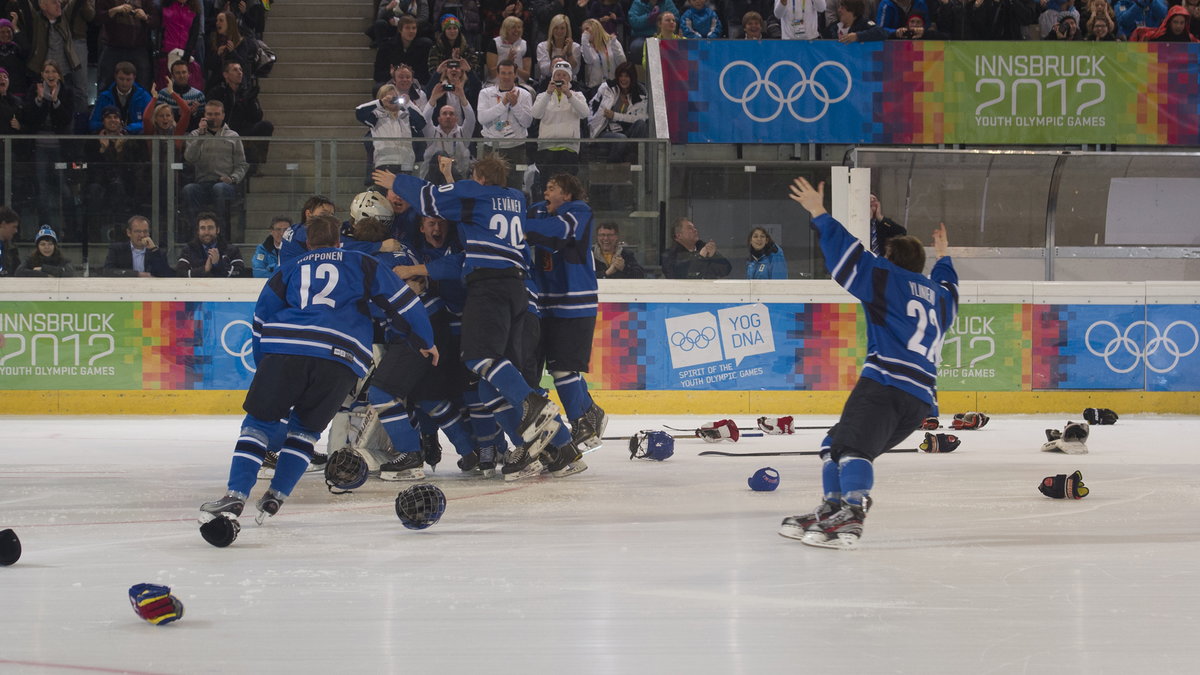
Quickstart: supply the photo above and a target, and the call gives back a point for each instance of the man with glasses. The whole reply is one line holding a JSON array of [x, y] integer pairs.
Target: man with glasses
[[455, 86], [613, 261], [138, 257], [266, 256]]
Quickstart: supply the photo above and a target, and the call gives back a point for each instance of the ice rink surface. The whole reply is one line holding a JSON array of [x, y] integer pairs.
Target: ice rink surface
[[631, 567]]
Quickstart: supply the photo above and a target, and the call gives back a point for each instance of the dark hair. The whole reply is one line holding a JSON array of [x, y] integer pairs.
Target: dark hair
[[629, 69], [281, 219], [230, 64], [312, 204], [231, 29], [370, 229], [506, 62], [609, 226], [855, 7], [216, 103], [323, 231], [906, 252], [135, 218], [7, 215], [571, 185], [207, 215], [493, 169], [679, 225], [407, 19], [750, 236], [125, 68]]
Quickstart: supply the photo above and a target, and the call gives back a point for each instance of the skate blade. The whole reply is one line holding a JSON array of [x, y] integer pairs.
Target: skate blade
[[792, 532], [590, 444], [539, 444], [578, 466], [486, 473], [544, 421], [534, 468], [410, 474], [843, 542]]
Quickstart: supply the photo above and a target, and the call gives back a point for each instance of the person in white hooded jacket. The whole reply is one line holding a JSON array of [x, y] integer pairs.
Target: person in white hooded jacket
[[619, 111], [798, 18], [560, 109], [392, 117]]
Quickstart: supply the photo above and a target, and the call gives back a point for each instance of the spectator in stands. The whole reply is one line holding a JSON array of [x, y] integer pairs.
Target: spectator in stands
[[643, 21], [996, 19], [692, 258], [125, 38], [613, 260], [949, 17], [117, 176], [10, 106], [266, 256], [492, 14], [1174, 28], [733, 15], [181, 95], [219, 165], [853, 25], [559, 108], [892, 15], [226, 45], [46, 260], [80, 16], [751, 26], [10, 257], [467, 12], [882, 227], [446, 139], [392, 117], [544, 12], [557, 45], [387, 22], [407, 48], [58, 47], [668, 29], [602, 53], [450, 45], [138, 257], [124, 94], [798, 18], [508, 46], [445, 88], [251, 15], [1193, 8], [700, 21], [611, 15], [182, 29], [406, 83], [243, 112], [1066, 29], [765, 259], [49, 111], [1133, 14], [916, 28], [1049, 21], [505, 114], [1100, 28], [208, 254], [14, 54], [619, 111]]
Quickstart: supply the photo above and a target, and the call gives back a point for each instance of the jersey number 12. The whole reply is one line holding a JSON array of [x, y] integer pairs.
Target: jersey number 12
[[326, 272]]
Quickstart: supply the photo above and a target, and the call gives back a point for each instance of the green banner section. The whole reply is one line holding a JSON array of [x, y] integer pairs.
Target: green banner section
[[70, 345], [1056, 92], [985, 350]]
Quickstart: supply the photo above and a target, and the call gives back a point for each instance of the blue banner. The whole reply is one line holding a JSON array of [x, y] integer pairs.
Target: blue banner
[[223, 356]]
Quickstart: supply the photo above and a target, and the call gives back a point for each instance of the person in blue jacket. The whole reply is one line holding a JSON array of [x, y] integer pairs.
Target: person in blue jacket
[[266, 256], [766, 258], [126, 95]]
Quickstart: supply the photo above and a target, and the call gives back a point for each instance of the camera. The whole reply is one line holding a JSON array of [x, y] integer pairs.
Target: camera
[[401, 101], [453, 64], [448, 86]]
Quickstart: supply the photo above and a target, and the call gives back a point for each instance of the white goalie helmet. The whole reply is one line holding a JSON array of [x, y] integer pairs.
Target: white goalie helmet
[[371, 204]]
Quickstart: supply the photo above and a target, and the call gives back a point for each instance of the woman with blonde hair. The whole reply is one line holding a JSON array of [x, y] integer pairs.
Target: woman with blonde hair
[[509, 46], [602, 53], [558, 45]]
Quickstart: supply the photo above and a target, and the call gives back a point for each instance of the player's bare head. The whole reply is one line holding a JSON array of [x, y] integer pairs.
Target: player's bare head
[[370, 229], [570, 185], [906, 252], [491, 170], [323, 232], [316, 205]]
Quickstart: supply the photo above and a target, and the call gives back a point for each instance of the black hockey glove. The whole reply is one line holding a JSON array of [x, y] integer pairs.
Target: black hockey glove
[[939, 443], [1099, 416], [1063, 486], [969, 420]]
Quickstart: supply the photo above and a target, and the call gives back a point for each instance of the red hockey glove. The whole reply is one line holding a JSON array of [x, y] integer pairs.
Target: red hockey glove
[[715, 432], [969, 421], [781, 425], [931, 423]]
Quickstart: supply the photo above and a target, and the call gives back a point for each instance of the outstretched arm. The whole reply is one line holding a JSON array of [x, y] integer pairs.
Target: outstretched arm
[[941, 244], [812, 199]]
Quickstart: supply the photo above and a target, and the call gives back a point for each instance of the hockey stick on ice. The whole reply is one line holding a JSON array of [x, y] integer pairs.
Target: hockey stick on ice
[[808, 453], [678, 438], [822, 427]]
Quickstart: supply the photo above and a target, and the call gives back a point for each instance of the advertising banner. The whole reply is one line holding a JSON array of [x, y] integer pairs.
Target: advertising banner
[[70, 345], [985, 350], [899, 92]]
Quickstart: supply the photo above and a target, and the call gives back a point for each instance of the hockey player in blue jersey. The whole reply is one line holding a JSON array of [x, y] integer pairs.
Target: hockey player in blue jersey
[[907, 314], [312, 331], [490, 220], [561, 230]]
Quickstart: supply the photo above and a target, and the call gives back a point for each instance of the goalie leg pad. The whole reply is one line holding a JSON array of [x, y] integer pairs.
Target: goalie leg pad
[[1063, 486]]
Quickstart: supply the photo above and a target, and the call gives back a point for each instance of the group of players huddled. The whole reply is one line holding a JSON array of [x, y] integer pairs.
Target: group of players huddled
[[443, 318]]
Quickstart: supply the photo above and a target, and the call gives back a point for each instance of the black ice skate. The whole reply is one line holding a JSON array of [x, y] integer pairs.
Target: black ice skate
[[268, 505], [406, 466], [587, 432], [537, 415], [520, 464], [564, 461], [487, 461], [230, 505], [469, 463], [841, 530], [793, 527], [431, 448]]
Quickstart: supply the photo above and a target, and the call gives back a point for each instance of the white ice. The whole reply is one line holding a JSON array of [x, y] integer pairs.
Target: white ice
[[631, 567]]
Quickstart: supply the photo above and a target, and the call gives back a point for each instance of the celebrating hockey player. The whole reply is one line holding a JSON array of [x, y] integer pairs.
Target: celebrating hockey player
[[907, 315], [312, 342]]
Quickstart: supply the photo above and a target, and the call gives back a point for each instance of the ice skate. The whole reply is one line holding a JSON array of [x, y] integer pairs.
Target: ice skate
[[840, 530], [431, 449], [268, 505], [469, 463], [564, 461], [587, 432], [537, 415], [520, 464], [230, 505], [487, 461], [793, 527], [406, 466]]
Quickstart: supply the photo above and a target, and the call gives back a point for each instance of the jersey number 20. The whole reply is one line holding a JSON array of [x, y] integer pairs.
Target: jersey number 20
[[916, 343], [506, 230], [325, 271]]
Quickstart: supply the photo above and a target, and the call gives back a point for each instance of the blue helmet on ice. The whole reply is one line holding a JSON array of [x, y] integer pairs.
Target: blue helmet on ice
[[647, 444]]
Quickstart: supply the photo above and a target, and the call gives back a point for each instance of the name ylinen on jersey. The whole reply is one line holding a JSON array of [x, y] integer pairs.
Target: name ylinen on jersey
[[924, 292], [508, 204], [335, 255]]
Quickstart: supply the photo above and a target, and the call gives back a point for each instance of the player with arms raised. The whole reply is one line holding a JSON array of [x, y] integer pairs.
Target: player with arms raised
[[907, 315]]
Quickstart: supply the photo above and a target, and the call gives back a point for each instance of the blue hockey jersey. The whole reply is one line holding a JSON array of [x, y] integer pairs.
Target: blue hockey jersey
[[324, 304], [565, 269], [490, 218], [295, 244], [907, 313]]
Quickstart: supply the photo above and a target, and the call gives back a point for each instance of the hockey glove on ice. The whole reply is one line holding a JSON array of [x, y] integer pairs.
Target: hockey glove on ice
[[782, 425], [969, 420], [939, 443], [155, 603], [931, 423], [1099, 416], [721, 430], [1063, 486]]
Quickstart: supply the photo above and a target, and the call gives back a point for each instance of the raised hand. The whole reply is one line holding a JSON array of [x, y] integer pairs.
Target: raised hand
[[812, 199], [941, 243]]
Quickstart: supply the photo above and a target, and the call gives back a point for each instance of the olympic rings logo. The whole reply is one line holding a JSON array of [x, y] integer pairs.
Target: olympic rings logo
[[1123, 341], [762, 83], [694, 339], [247, 347]]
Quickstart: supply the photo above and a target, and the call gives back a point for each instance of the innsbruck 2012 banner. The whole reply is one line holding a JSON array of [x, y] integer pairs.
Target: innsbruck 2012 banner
[[918, 92]]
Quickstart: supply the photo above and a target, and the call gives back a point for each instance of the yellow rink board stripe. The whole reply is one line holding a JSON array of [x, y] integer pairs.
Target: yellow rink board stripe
[[721, 403]]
